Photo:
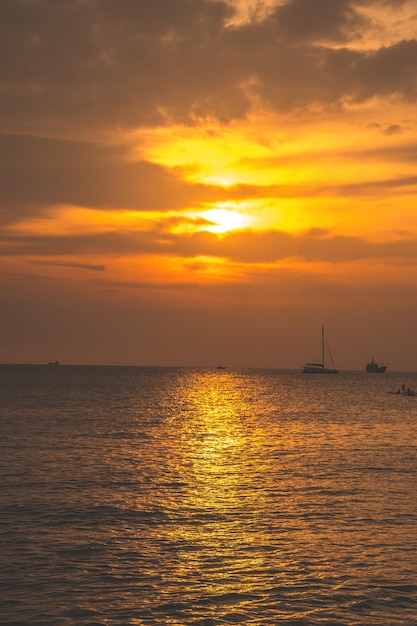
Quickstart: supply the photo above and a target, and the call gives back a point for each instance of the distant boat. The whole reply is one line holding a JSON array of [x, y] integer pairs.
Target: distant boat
[[220, 367], [319, 368], [374, 368], [53, 363]]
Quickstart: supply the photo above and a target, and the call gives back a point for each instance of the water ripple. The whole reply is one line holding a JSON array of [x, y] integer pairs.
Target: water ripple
[[184, 497]]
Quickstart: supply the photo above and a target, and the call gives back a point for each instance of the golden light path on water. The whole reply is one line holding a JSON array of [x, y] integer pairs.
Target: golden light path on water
[[219, 543], [221, 515]]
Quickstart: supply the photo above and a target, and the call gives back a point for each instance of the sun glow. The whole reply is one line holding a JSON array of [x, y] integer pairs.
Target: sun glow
[[223, 220]]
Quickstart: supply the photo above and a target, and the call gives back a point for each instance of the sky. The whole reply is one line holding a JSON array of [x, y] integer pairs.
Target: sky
[[203, 182]]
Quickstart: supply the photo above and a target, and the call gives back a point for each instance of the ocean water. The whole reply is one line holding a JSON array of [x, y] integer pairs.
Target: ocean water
[[173, 496]]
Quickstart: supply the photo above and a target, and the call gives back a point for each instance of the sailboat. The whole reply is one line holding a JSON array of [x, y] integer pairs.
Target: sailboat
[[319, 368]]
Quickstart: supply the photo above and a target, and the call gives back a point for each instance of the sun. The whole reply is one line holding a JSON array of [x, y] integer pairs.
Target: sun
[[223, 220]]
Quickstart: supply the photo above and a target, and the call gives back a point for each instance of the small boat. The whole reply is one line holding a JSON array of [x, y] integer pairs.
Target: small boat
[[319, 368], [402, 391], [53, 363], [220, 367], [374, 368]]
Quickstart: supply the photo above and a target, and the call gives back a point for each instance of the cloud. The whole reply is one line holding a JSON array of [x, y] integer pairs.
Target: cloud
[[83, 69], [393, 129], [312, 246], [157, 285], [73, 265], [321, 76], [244, 246], [38, 173], [85, 65], [302, 20]]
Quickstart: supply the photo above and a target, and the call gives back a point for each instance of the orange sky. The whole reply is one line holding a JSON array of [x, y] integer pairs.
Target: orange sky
[[194, 182]]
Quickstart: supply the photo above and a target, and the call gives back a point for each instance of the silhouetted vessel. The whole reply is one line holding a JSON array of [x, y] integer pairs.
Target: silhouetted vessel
[[319, 368], [374, 368], [53, 363]]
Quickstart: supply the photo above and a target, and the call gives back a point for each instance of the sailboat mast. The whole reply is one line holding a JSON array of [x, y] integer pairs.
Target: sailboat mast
[[319, 368]]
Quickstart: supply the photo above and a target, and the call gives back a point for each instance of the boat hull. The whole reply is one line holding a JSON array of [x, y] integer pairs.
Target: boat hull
[[308, 369], [373, 367]]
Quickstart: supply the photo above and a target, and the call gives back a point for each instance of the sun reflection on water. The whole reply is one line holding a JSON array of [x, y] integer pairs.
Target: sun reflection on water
[[215, 439], [216, 532]]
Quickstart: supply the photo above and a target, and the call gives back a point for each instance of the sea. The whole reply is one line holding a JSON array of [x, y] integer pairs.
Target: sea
[[196, 496]]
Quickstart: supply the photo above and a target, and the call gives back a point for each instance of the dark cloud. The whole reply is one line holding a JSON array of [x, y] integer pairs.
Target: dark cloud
[[388, 71], [393, 129], [38, 173], [302, 20], [78, 266], [313, 246], [94, 63], [322, 76], [72, 68], [241, 246], [137, 284]]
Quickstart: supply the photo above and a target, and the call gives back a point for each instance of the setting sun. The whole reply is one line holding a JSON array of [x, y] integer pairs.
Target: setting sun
[[224, 220]]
